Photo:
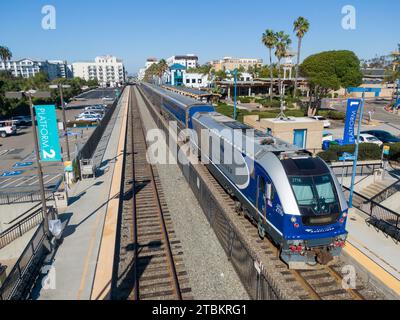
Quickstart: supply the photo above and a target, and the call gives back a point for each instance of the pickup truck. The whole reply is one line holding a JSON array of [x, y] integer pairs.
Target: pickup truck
[[7, 128]]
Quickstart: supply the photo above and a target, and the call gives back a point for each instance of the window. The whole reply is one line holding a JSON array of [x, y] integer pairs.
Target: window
[[199, 81], [187, 80], [315, 194], [193, 80]]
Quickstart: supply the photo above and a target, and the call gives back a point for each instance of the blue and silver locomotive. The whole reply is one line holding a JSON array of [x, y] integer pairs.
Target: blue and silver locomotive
[[293, 197]]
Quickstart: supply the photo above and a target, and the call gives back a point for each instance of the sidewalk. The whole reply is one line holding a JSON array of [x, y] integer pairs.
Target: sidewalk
[[76, 258], [380, 249]]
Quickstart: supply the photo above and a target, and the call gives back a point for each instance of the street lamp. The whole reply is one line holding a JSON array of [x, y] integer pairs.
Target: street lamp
[[234, 72], [60, 87], [35, 94]]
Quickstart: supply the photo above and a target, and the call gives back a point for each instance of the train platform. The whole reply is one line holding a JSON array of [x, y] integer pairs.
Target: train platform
[[375, 253], [85, 220]]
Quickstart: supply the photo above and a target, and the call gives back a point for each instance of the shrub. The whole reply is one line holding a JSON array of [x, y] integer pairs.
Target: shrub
[[79, 124], [244, 99], [366, 151], [394, 152], [332, 114]]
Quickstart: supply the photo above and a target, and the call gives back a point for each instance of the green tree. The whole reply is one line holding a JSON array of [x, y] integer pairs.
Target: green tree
[[301, 27], [282, 47], [5, 54], [269, 39], [330, 70], [162, 66]]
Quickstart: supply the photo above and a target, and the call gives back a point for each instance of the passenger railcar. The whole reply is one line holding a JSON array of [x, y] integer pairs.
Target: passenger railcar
[[175, 107], [293, 198]]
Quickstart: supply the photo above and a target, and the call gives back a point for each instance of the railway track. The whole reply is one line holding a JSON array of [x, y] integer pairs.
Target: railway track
[[150, 264], [323, 283]]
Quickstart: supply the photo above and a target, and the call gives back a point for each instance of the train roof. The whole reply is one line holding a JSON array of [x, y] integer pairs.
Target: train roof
[[181, 99], [263, 142]]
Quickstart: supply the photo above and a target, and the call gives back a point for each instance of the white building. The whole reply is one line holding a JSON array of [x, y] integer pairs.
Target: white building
[[188, 60], [108, 70], [196, 80], [142, 71], [27, 68]]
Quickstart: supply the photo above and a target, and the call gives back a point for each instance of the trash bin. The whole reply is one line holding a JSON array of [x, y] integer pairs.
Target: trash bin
[[3, 274], [325, 144]]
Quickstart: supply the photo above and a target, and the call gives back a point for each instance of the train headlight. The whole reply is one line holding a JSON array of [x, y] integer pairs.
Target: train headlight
[[293, 219], [344, 215]]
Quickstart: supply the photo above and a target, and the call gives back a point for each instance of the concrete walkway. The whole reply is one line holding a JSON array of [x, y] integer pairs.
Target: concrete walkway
[[76, 258], [373, 243]]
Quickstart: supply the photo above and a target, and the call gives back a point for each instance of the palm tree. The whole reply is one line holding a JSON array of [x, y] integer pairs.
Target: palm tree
[[282, 46], [5, 54], [269, 39], [301, 27], [162, 66]]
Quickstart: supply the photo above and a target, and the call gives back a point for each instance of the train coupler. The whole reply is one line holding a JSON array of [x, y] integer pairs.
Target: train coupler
[[323, 256]]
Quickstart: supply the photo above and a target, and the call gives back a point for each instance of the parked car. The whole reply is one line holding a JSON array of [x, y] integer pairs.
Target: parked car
[[326, 122], [368, 138], [22, 120], [88, 113], [89, 117], [384, 136], [97, 108], [7, 128]]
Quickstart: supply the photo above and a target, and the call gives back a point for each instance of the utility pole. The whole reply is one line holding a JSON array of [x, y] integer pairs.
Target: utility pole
[[60, 87], [29, 95]]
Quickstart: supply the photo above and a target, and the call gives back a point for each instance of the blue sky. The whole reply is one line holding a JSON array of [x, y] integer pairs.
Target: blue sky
[[134, 29]]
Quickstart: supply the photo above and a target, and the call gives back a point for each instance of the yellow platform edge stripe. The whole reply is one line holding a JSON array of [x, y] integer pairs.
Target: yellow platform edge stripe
[[104, 269], [376, 270]]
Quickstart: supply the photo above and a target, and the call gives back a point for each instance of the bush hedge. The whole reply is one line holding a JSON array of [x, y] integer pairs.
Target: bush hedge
[[72, 124], [332, 114], [366, 151], [394, 152]]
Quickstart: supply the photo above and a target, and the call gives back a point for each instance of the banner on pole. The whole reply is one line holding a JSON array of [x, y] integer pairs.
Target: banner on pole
[[351, 118], [49, 142]]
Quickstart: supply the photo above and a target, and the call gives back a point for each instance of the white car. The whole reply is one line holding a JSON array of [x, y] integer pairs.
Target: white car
[[89, 117], [88, 113], [326, 122], [7, 128], [368, 138], [98, 109]]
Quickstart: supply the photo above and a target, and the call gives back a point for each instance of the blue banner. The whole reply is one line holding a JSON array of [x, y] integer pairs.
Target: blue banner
[[351, 118], [49, 142]]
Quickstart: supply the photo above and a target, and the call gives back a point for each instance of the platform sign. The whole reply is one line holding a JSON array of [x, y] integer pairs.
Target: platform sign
[[386, 150], [49, 142], [351, 117], [68, 166]]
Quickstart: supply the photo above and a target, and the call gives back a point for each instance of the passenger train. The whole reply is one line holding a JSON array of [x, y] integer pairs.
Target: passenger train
[[294, 198]]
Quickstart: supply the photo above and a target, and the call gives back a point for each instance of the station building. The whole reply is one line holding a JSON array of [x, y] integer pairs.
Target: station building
[[302, 132], [229, 63]]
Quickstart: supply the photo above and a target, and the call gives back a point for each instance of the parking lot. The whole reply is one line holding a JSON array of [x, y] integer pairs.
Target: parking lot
[[18, 171]]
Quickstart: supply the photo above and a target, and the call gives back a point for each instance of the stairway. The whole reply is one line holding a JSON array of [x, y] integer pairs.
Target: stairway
[[369, 192]]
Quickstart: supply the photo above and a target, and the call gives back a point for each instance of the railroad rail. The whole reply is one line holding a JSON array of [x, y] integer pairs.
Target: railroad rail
[[150, 262], [323, 283]]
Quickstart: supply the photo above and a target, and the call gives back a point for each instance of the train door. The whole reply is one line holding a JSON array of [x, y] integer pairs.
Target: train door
[[261, 204]]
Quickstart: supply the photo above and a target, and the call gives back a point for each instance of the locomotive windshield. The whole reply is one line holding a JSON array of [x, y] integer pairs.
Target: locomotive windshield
[[315, 195]]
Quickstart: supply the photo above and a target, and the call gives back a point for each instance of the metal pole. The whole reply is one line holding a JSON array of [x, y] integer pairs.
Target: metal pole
[[39, 167], [64, 121], [235, 91], [353, 175]]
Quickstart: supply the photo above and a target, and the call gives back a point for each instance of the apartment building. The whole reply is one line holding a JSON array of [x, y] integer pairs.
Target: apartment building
[[108, 70], [27, 68], [229, 63]]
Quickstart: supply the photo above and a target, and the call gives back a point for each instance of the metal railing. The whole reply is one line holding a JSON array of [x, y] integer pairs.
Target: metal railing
[[90, 146], [24, 196], [19, 280], [383, 218], [20, 228], [387, 192], [363, 169]]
